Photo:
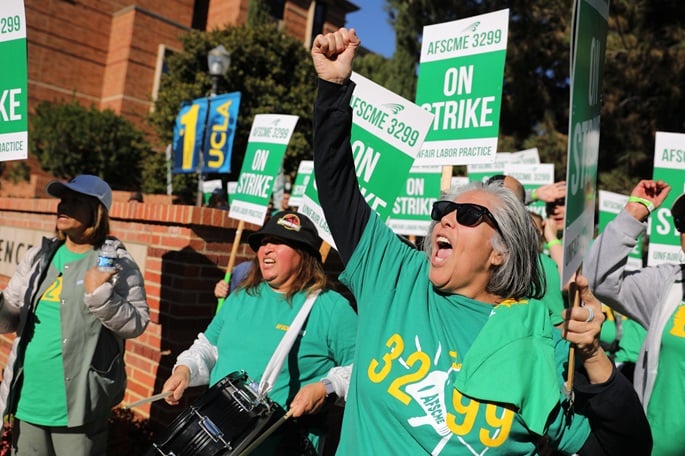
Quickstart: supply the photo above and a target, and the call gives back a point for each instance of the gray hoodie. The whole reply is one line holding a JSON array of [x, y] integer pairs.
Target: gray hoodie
[[648, 295]]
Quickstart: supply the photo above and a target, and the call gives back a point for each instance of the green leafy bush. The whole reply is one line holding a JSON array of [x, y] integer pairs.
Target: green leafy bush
[[69, 139]]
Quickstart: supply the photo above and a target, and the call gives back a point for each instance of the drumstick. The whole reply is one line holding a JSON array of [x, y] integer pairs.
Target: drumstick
[[258, 441], [156, 397]]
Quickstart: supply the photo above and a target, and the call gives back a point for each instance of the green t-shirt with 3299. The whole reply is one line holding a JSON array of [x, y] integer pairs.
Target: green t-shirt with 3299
[[412, 342]]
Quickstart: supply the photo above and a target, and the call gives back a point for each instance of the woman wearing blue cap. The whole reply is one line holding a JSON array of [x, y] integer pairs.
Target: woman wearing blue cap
[[66, 368], [248, 327]]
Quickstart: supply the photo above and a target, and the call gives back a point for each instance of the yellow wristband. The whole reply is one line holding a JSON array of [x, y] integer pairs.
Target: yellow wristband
[[552, 242], [646, 203], [533, 195]]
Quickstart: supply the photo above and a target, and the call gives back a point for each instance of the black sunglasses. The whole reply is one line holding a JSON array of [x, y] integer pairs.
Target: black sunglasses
[[468, 214]]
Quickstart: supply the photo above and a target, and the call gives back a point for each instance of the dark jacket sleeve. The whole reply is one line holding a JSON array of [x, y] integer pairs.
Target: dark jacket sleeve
[[346, 211], [618, 422]]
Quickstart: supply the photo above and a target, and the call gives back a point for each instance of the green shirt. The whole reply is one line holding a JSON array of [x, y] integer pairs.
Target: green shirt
[[553, 298], [627, 348], [609, 331], [248, 328], [43, 398], [412, 342], [632, 337], [664, 411]]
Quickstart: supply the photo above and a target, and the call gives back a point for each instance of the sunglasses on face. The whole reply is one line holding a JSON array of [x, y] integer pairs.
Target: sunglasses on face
[[468, 214]]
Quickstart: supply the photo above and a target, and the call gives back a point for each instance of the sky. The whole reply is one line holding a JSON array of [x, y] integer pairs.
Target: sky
[[371, 23]]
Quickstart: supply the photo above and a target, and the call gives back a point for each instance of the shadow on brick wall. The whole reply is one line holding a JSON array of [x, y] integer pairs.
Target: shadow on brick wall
[[187, 305]]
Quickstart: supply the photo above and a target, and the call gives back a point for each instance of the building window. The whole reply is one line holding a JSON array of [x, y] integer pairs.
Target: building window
[[320, 11], [161, 68], [200, 13], [276, 8]]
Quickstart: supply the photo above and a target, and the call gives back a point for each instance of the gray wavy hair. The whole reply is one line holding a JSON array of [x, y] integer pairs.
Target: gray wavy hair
[[520, 275]]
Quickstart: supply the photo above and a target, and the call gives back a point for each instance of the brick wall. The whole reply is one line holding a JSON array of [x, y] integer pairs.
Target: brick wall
[[100, 52], [224, 13]]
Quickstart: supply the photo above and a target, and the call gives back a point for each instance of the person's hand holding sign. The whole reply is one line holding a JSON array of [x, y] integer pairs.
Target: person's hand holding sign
[[583, 325]]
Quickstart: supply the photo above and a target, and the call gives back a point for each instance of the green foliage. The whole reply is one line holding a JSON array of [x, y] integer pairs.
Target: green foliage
[[258, 13], [273, 72], [408, 29], [69, 139], [154, 176], [644, 81], [374, 67], [19, 171]]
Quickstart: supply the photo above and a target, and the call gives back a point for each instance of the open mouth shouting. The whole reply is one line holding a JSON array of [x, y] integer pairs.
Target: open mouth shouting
[[442, 249]]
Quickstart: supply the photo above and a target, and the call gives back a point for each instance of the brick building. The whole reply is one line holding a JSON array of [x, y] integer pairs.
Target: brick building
[[110, 53]]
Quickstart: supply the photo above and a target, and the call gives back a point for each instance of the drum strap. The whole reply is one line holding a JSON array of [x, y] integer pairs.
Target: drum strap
[[273, 368]]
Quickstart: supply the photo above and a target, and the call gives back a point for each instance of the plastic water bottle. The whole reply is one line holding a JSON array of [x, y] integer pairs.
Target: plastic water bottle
[[108, 256]]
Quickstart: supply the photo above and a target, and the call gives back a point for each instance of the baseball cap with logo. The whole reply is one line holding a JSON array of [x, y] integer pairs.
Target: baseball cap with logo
[[293, 228], [84, 184], [678, 213]]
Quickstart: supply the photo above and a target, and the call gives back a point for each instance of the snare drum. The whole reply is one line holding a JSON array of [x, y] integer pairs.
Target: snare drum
[[223, 421]]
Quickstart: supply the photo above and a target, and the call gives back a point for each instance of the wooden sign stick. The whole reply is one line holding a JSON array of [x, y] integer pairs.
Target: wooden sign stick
[[231, 259]]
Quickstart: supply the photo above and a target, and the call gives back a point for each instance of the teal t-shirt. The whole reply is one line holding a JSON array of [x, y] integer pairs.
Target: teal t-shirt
[[632, 337], [609, 332], [664, 411], [247, 330], [627, 348], [43, 397], [553, 298], [412, 342]]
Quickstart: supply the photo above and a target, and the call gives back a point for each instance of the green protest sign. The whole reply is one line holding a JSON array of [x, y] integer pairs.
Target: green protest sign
[[387, 133], [532, 177], [411, 212], [480, 172], [13, 82], [460, 81], [669, 166], [210, 186], [230, 188], [588, 47], [610, 204], [304, 174], [266, 147]]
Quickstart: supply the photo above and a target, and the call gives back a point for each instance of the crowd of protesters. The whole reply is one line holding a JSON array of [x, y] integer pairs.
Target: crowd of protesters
[[461, 347]]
